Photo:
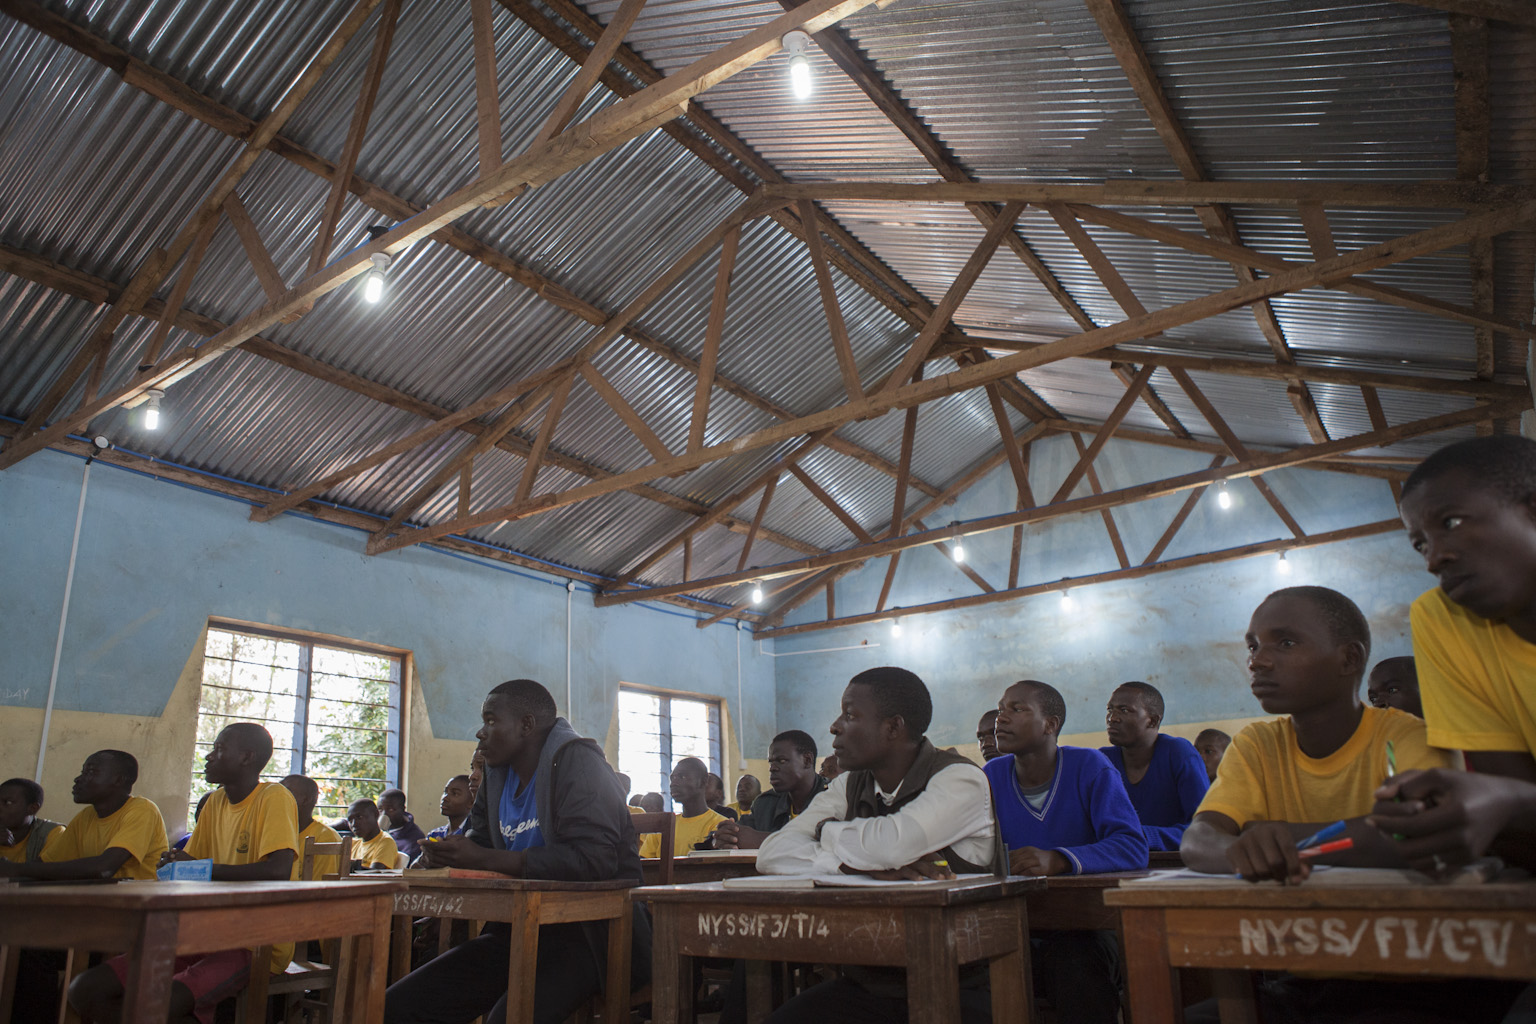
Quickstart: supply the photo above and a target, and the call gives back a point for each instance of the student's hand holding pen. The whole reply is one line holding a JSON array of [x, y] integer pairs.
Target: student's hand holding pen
[[1443, 819], [1267, 849]]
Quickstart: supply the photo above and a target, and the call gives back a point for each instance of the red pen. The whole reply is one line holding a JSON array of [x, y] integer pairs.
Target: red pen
[[1334, 847]]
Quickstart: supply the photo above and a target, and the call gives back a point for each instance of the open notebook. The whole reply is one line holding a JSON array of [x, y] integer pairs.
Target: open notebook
[[835, 881]]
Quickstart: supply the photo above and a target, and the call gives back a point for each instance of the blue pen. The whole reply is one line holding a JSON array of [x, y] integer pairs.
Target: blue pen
[[1322, 835]]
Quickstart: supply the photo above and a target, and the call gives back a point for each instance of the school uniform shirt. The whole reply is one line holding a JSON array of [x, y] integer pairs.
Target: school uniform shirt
[[1167, 795], [136, 827], [1265, 776], [408, 837], [1083, 814], [1474, 678], [381, 849], [443, 831], [690, 832], [519, 813], [17, 852], [265, 822], [325, 863]]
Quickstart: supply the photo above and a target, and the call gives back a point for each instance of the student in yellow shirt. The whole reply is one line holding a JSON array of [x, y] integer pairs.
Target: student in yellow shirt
[[117, 835], [697, 820], [1470, 509], [306, 794], [748, 789], [371, 846], [23, 835], [249, 829]]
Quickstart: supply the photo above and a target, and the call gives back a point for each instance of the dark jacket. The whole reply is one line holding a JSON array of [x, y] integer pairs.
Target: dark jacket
[[588, 834], [772, 811]]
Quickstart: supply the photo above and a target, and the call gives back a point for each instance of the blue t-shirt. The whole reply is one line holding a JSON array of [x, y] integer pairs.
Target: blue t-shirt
[[520, 814], [1169, 793]]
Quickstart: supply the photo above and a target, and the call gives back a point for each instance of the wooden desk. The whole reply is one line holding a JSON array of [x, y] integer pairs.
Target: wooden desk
[[1164, 859], [1479, 931], [154, 922], [1076, 902], [929, 929], [690, 870], [525, 903]]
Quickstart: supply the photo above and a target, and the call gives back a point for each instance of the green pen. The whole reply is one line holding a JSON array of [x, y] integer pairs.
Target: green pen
[[1392, 771]]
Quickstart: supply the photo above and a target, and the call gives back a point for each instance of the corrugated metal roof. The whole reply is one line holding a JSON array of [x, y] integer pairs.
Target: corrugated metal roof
[[94, 174]]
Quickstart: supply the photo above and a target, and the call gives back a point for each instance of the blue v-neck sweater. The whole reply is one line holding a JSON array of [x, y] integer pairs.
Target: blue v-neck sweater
[[1087, 816]]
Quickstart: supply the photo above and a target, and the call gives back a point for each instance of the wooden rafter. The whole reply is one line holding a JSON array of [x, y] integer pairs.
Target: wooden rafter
[[879, 402], [605, 130], [757, 521], [1115, 575], [547, 428], [1104, 513], [1373, 409], [487, 90], [712, 334], [1190, 501], [92, 289], [178, 296], [846, 364], [1105, 432], [626, 412], [964, 568], [1255, 466], [362, 112], [820, 494], [255, 249], [1469, 62], [1515, 12]]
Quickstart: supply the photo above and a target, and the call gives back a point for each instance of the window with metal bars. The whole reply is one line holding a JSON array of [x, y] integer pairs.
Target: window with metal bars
[[658, 729], [333, 710]]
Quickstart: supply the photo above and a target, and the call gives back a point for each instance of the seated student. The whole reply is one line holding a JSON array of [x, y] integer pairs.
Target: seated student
[[986, 737], [652, 803], [792, 776], [748, 789], [1394, 683], [829, 769], [306, 794], [23, 835], [1470, 509], [550, 808], [400, 823], [632, 800], [1212, 745], [250, 831], [900, 807], [372, 847], [455, 806], [1164, 775], [1284, 779], [714, 796], [697, 820], [1063, 810]]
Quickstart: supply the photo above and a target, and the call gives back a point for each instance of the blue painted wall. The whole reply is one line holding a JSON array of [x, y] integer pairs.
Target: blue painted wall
[[156, 560], [1182, 631]]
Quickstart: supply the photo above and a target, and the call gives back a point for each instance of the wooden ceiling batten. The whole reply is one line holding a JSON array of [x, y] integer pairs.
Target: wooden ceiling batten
[[1104, 513]]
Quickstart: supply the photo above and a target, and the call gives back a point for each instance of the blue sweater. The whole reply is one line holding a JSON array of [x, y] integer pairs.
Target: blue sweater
[[1169, 793], [1086, 817]]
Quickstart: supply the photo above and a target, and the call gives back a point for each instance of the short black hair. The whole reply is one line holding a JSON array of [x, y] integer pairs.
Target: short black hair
[[122, 762], [390, 794], [1504, 463], [365, 803], [527, 697], [1215, 734], [459, 778], [1150, 696], [32, 789], [310, 787], [693, 764], [989, 713], [799, 739], [897, 691], [1346, 622], [251, 737], [1051, 701]]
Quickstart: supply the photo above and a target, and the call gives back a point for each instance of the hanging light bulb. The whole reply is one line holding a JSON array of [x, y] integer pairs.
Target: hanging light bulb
[[757, 593], [1222, 497], [152, 409], [895, 627], [796, 43], [959, 542], [1283, 567], [1066, 600], [373, 286]]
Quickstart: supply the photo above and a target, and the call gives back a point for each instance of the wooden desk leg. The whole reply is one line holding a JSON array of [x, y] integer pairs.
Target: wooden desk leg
[[9, 958], [1234, 997], [256, 987], [933, 971], [759, 989], [671, 971], [1011, 977], [147, 987], [400, 948], [620, 941], [76, 961], [523, 958], [378, 977], [1148, 977]]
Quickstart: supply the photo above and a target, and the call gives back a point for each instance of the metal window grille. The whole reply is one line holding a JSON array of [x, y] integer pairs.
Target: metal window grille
[[656, 730], [333, 711]]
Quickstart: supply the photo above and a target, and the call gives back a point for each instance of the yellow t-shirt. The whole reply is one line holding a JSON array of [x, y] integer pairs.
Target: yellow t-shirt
[[325, 863], [381, 849], [1266, 777], [262, 824], [635, 810], [136, 827], [690, 831], [1471, 672], [740, 808], [17, 854]]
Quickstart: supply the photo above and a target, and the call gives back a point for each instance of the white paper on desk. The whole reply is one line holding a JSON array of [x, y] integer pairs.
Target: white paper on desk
[[836, 881], [1323, 876], [722, 855]]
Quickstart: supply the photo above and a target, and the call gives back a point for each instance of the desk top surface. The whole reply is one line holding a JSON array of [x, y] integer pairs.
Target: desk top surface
[[1235, 893], [509, 884], [894, 894], [1100, 880], [154, 895]]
